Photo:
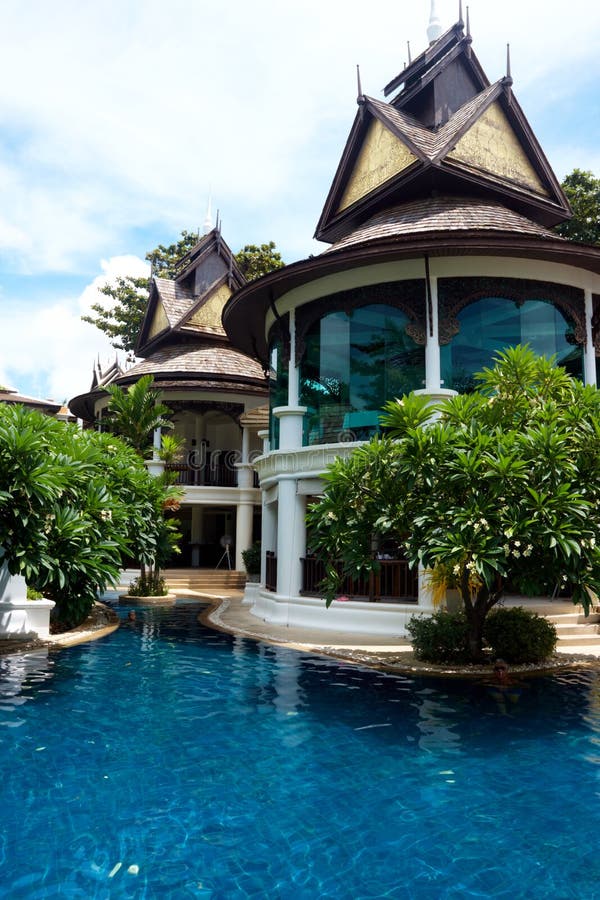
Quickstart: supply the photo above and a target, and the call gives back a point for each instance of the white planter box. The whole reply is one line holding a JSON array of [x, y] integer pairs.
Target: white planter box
[[25, 618], [20, 617]]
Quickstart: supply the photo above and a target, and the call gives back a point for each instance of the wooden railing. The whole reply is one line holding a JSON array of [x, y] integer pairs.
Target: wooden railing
[[271, 571], [211, 475], [395, 580]]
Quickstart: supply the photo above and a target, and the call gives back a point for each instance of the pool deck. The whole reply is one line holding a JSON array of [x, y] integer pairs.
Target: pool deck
[[393, 653], [227, 613]]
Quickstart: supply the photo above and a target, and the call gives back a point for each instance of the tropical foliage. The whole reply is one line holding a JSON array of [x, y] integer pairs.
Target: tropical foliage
[[122, 319], [503, 489], [254, 261], [74, 506], [134, 414], [583, 193]]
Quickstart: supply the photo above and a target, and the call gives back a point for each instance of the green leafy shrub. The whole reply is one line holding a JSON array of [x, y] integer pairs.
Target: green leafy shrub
[[440, 638], [34, 595], [520, 636], [251, 558], [148, 587]]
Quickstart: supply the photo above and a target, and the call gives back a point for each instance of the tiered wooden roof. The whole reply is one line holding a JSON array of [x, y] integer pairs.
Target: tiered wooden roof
[[182, 338], [445, 165], [190, 305], [447, 131]]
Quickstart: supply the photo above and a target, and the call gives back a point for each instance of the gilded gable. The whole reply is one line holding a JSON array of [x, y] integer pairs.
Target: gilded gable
[[491, 144], [381, 156], [159, 322], [209, 314]]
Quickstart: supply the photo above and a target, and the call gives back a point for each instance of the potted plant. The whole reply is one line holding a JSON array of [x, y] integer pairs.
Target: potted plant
[[251, 558], [444, 584]]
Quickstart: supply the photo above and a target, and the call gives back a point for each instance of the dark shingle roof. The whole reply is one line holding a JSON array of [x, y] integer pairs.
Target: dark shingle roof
[[442, 214], [432, 143], [214, 360], [175, 299]]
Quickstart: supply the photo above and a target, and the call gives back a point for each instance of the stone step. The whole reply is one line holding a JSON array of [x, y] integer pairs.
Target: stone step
[[582, 638], [574, 619], [562, 630]]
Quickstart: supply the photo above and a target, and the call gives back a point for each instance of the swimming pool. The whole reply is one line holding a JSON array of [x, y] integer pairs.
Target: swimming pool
[[168, 760]]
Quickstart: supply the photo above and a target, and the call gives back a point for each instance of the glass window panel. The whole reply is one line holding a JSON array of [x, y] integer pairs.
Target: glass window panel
[[354, 362], [495, 323]]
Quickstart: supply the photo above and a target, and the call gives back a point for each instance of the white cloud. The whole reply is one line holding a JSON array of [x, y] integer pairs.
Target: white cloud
[[50, 352], [123, 115], [127, 114]]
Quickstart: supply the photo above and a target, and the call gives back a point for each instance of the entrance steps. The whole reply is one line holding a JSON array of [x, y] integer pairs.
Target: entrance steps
[[212, 581], [577, 630]]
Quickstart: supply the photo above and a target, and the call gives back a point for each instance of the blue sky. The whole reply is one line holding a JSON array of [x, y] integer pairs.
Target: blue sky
[[119, 118]]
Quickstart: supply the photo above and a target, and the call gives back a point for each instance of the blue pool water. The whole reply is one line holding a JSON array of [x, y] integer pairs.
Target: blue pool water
[[225, 769]]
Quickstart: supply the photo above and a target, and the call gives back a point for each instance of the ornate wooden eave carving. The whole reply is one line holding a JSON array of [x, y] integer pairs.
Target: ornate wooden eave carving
[[201, 407], [454, 294], [407, 296]]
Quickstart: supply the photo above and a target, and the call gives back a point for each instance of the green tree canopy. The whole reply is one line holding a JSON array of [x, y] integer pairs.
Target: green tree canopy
[[583, 192], [255, 261], [503, 489], [74, 507], [129, 295]]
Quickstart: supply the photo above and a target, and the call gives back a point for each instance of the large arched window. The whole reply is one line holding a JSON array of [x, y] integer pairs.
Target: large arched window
[[353, 363], [494, 323]]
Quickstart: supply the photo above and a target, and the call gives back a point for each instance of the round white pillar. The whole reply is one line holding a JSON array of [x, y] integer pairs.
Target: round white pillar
[[291, 538], [589, 353]]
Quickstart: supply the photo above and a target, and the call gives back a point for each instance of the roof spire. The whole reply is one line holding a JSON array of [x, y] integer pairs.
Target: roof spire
[[208, 224], [434, 29], [359, 98]]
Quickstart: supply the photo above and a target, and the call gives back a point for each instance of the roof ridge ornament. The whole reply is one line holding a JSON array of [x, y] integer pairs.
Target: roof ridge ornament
[[208, 222], [434, 29], [360, 98]]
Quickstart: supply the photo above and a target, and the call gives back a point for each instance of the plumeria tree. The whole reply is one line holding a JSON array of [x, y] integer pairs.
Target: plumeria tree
[[73, 507], [134, 414], [500, 488]]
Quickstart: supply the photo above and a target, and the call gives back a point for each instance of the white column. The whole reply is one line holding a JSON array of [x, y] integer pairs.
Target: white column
[[243, 531], [290, 426], [293, 374], [268, 535], [156, 465], [589, 353], [264, 437], [291, 538], [433, 370], [245, 444]]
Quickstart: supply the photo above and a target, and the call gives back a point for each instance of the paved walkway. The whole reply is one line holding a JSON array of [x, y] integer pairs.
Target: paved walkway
[[229, 614]]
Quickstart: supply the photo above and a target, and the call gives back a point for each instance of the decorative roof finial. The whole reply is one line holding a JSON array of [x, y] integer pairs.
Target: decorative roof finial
[[468, 23], [460, 13], [434, 29], [358, 85], [508, 72], [208, 223], [409, 54]]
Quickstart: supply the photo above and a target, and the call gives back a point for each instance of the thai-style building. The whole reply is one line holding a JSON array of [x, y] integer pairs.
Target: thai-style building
[[440, 218], [217, 396]]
